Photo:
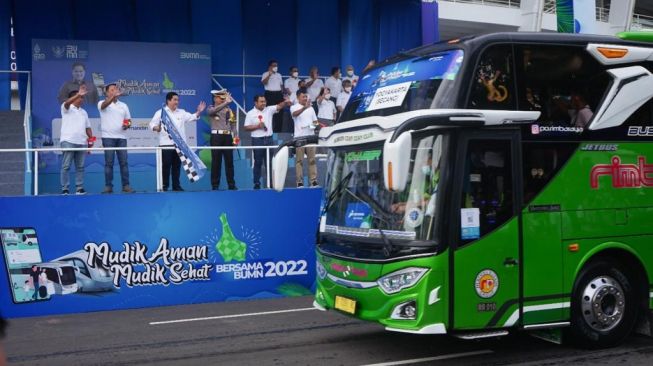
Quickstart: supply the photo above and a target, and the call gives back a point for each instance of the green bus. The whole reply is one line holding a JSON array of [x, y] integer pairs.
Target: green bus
[[494, 183]]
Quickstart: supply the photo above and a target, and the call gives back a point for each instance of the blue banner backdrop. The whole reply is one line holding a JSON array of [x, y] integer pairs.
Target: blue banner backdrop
[[102, 252], [145, 72]]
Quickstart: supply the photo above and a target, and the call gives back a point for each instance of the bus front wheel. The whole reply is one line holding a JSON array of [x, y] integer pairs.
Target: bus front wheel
[[603, 305]]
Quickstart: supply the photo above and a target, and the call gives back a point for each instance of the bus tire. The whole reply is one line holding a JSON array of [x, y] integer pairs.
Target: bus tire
[[603, 305]]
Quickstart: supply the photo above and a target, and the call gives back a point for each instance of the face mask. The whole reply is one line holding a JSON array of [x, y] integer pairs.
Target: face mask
[[348, 89], [327, 96], [295, 74], [274, 69], [426, 170], [350, 72]]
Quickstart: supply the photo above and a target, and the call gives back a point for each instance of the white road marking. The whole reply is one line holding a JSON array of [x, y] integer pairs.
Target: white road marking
[[434, 358], [230, 316]]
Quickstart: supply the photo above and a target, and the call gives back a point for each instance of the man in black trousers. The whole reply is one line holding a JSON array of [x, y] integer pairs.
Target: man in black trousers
[[223, 131]]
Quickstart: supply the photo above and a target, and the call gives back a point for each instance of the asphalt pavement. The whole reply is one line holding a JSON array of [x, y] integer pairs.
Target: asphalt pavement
[[274, 332]]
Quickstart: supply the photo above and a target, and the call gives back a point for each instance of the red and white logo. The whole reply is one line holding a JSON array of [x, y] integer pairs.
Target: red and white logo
[[624, 175]]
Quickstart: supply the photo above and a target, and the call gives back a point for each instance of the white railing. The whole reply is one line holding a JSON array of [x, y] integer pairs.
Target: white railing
[[27, 117], [642, 22], [158, 155], [502, 3]]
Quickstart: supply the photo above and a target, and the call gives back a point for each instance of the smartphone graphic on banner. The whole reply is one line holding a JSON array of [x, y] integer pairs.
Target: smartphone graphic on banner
[[22, 251], [98, 81]]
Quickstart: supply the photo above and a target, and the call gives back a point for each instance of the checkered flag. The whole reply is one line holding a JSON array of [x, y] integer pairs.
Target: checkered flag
[[193, 166]]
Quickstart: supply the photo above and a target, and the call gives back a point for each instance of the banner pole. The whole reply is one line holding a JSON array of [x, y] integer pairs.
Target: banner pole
[[36, 173]]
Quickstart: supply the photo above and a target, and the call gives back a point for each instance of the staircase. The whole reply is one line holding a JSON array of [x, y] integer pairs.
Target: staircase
[[12, 165]]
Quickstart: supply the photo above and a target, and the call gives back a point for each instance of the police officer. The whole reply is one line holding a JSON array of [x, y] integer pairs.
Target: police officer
[[223, 131]]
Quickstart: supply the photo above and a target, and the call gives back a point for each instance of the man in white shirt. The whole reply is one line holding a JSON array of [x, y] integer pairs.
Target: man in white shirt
[[115, 119], [344, 96], [273, 85], [305, 121], [170, 160], [75, 133], [353, 78], [334, 83], [259, 122], [326, 114], [291, 84], [313, 85]]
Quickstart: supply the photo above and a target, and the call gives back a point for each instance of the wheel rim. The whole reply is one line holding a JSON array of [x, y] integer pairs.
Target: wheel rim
[[603, 303]]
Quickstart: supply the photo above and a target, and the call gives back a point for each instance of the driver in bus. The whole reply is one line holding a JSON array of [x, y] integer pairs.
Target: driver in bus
[[431, 178]]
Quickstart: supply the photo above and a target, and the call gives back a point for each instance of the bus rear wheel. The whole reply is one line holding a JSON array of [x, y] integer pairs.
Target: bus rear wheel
[[603, 306]]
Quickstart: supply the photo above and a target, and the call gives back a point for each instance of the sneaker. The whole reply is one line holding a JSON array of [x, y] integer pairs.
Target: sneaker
[[214, 188], [300, 185], [127, 189], [108, 189], [80, 191], [178, 189], [233, 188], [65, 191], [257, 185], [314, 184]]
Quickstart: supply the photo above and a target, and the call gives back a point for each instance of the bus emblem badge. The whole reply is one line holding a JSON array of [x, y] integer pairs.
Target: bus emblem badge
[[487, 283]]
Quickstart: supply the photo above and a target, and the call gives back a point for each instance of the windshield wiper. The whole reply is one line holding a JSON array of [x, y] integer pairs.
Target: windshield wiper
[[388, 245], [337, 191]]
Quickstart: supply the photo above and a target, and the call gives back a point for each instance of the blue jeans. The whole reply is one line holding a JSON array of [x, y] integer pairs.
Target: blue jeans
[[260, 156], [108, 161], [68, 156]]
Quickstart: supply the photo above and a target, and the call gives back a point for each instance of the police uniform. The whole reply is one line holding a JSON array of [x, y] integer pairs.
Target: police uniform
[[222, 134]]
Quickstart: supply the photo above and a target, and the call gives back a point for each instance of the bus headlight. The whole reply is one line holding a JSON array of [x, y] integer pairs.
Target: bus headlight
[[399, 280], [321, 271]]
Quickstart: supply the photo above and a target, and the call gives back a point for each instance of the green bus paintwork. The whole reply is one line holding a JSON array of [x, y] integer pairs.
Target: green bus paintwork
[[596, 219]]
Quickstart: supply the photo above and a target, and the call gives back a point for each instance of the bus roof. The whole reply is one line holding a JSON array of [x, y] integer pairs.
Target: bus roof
[[636, 36], [476, 42]]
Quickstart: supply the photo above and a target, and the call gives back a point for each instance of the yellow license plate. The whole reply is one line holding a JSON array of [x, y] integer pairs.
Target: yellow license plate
[[345, 304]]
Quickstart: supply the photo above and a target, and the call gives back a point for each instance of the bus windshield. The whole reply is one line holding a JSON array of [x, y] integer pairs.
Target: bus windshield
[[415, 83], [358, 205]]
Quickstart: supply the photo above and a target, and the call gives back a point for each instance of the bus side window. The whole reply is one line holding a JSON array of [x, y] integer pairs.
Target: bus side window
[[52, 275], [493, 83], [558, 81], [542, 161], [488, 182]]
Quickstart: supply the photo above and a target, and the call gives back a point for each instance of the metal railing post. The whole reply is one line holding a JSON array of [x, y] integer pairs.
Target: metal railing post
[[159, 169], [267, 165], [27, 117], [36, 172]]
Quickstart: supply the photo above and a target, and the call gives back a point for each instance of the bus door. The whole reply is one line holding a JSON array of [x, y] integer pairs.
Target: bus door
[[485, 230]]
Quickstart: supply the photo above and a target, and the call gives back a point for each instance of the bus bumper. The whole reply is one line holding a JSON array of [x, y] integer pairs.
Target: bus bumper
[[420, 308]]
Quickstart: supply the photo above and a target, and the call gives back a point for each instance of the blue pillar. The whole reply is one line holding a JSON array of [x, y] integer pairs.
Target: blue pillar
[[430, 30]]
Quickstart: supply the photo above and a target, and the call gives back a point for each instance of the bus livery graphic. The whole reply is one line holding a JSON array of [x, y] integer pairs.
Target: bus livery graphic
[[624, 175]]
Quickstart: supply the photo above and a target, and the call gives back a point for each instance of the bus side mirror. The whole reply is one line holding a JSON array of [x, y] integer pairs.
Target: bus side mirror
[[396, 161], [279, 168]]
